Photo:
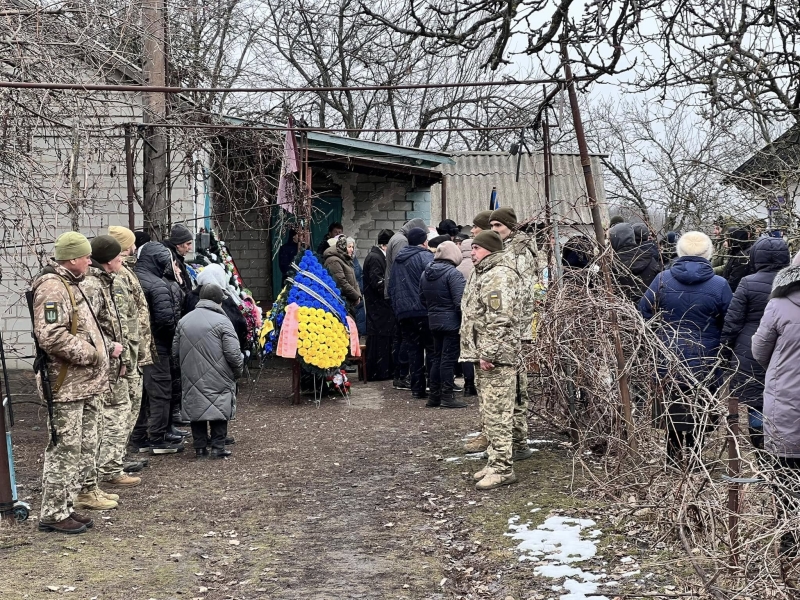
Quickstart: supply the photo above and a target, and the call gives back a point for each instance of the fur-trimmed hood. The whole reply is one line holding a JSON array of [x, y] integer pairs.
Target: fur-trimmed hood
[[786, 281]]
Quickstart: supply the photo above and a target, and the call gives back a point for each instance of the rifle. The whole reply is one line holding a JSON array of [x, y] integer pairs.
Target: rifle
[[40, 367]]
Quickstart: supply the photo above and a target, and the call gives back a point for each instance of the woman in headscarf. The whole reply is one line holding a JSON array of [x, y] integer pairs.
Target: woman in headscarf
[[216, 274], [361, 312], [340, 265]]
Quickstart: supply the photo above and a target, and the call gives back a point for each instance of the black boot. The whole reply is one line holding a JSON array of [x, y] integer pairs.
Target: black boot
[[469, 388], [174, 439], [434, 400], [178, 420], [174, 431], [449, 401], [201, 453], [220, 453]]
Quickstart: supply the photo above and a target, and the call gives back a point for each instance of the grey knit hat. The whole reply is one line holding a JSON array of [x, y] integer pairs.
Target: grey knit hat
[[212, 292]]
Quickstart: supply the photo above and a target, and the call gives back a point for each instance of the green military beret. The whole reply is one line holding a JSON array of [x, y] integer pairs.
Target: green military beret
[[488, 240], [72, 245]]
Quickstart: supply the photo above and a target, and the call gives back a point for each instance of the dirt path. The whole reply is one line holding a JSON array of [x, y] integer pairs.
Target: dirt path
[[343, 501]]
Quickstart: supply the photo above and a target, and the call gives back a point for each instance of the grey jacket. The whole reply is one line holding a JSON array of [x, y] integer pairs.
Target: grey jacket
[[397, 243], [776, 346], [207, 350]]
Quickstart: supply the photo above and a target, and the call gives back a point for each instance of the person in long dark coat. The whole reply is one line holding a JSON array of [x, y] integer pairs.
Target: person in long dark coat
[[633, 267], [738, 264], [380, 317], [287, 253], [768, 256]]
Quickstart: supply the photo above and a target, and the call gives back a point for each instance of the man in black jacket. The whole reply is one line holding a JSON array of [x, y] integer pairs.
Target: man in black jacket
[[180, 244], [164, 299]]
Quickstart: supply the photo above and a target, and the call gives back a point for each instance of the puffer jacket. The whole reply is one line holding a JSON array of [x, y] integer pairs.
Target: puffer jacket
[[776, 346], [441, 288], [692, 303], [397, 242], [340, 266], [768, 255], [207, 350], [404, 284], [633, 267], [162, 292]]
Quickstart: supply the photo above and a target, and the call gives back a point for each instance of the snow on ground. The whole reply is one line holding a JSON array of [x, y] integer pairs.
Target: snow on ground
[[556, 546]]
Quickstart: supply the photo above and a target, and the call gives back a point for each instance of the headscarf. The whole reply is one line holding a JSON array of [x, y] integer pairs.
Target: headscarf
[[217, 275]]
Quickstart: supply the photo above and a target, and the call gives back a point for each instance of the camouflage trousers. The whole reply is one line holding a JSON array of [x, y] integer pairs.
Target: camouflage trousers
[[135, 394], [69, 462], [503, 397], [113, 431]]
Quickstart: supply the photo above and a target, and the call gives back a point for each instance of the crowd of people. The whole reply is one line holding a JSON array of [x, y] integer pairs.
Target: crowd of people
[[134, 348]]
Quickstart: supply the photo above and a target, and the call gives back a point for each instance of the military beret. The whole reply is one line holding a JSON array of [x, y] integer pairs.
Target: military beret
[[105, 249], [71, 245], [506, 216], [482, 220], [489, 240], [123, 235]]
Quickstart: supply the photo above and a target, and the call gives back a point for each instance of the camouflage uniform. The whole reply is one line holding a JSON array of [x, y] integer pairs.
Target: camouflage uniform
[[132, 305], [76, 402], [490, 331], [103, 289]]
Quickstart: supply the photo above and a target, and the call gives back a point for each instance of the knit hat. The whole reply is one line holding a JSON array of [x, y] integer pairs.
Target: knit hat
[[695, 243], [72, 245], [448, 251], [672, 237], [417, 237], [105, 249], [640, 232], [616, 220], [482, 220], [489, 240], [180, 234], [447, 227], [123, 235], [212, 292], [506, 216], [435, 242], [384, 236], [141, 238]]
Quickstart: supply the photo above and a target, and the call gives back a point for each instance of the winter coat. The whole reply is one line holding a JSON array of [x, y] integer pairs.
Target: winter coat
[[397, 242], [186, 283], [692, 303], [769, 255], [404, 284], [85, 354], [440, 288], [286, 256], [633, 267], [105, 294], [380, 317], [360, 310], [207, 350], [140, 340], [340, 266], [776, 346], [738, 263], [231, 310], [466, 267], [163, 294]]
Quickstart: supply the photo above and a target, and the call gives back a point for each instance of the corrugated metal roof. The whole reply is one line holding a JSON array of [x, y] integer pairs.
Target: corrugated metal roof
[[471, 178]]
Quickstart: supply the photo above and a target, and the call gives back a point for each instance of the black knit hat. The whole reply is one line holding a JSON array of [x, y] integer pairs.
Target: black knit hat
[[505, 215], [434, 243], [417, 236], [212, 292], [180, 234], [105, 249], [141, 238], [490, 240], [384, 236], [447, 227]]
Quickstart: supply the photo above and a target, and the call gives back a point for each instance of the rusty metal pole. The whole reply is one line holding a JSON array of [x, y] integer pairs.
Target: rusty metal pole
[[734, 467], [129, 176], [600, 234]]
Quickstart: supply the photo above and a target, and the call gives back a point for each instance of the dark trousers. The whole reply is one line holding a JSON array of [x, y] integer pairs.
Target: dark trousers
[[399, 353], [157, 383], [468, 369], [418, 341], [200, 436], [379, 357], [446, 348], [139, 433]]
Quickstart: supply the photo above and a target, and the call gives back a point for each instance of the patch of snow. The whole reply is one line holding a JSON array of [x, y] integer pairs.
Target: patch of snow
[[470, 436], [452, 459], [475, 456]]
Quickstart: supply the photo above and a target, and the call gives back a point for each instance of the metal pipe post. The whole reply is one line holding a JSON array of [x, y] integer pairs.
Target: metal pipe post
[[6, 493], [129, 176]]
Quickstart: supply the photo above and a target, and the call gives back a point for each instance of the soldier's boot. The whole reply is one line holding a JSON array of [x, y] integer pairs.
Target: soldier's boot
[[483, 473], [68, 525], [107, 495], [477, 444], [495, 480], [521, 452], [123, 480], [94, 501], [81, 518], [449, 401], [469, 388], [434, 399]]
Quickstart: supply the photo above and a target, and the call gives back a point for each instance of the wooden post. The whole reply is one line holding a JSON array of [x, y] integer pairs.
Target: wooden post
[[444, 197], [129, 176], [733, 472]]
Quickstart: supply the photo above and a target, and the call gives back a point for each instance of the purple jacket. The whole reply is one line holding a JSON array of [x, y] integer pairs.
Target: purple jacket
[[776, 346]]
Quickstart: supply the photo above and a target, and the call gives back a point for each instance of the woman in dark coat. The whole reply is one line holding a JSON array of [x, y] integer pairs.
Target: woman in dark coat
[[340, 266], [287, 254], [738, 264], [768, 256], [380, 318], [691, 302], [633, 267], [440, 289]]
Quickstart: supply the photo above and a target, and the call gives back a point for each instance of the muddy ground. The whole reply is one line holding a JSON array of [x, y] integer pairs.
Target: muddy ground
[[340, 501]]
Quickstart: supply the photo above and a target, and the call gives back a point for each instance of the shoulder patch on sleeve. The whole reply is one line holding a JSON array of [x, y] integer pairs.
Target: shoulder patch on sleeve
[[51, 312], [495, 300]]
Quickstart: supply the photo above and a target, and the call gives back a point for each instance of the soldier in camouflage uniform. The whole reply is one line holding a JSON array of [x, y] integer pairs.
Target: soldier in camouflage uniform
[[78, 362], [132, 305], [104, 290], [490, 338]]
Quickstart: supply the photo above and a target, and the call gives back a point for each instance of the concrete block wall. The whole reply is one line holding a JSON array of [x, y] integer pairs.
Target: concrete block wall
[[249, 245]]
